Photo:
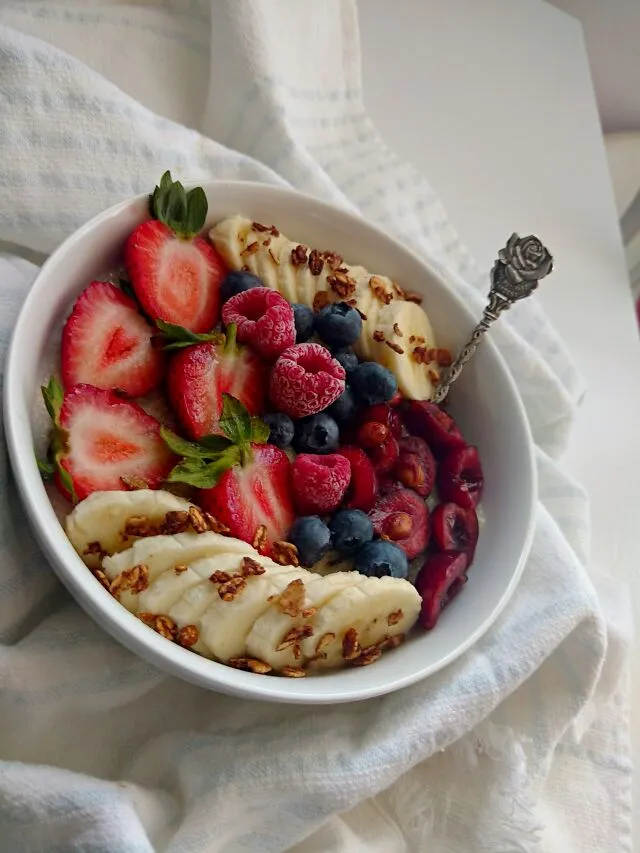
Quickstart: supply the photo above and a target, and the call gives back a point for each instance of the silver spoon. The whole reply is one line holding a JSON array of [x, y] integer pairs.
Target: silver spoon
[[522, 263]]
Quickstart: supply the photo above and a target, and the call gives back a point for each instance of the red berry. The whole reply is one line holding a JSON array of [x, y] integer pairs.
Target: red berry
[[438, 581], [363, 486], [108, 344], [388, 517], [319, 482], [199, 375], [455, 528], [255, 494], [305, 379], [175, 279], [460, 477], [382, 413], [372, 434], [433, 424], [264, 320], [413, 444], [396, 400], [416, 472], [109, 438], [385, 455]]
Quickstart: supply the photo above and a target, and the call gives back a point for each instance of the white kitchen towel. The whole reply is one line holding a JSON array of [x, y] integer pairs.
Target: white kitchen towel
[[518, 746]]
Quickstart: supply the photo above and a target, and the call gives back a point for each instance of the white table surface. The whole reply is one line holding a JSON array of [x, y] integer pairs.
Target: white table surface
[[493, 101]]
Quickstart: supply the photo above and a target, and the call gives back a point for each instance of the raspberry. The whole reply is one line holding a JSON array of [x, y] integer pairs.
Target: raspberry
[[264, 321], [319, 482], [305, 380]]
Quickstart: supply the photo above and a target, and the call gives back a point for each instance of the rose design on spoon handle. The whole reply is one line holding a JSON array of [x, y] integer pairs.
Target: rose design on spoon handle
[[522, 263]]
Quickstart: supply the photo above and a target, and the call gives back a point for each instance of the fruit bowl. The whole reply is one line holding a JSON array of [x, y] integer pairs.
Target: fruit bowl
[[484, 401]]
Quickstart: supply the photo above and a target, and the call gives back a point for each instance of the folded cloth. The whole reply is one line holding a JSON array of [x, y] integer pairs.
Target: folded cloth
[[519, 745]]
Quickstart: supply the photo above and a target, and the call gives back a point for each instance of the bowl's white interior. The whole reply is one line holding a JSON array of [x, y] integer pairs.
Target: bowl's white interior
[[484, 401]]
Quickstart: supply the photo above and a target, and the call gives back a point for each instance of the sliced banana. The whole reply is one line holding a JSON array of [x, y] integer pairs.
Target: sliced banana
[[102, 518], [225, 625], [276, 636], [371, 610]]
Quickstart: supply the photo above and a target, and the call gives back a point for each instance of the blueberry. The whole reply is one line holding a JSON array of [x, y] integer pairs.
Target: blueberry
[[347, 358], [338, 324], [237, 282], [380, 558], [281, 429], [344, 407], [304, 319], [350, 530], [311, 537], [372, 383], [317, 434]]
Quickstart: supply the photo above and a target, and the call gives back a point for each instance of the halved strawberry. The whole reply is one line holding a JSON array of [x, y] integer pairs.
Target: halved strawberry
[[199, 375], [253, 495], [99, 438], [175, 274], [107, 343]]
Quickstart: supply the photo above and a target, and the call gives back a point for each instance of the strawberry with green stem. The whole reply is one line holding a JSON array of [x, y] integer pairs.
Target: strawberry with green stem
[[243, 481]]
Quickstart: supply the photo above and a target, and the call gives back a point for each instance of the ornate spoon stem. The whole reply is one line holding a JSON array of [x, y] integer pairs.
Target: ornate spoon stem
[[515, 275]]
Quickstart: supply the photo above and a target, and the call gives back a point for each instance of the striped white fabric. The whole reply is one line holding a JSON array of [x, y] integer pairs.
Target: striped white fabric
[[521, 745]]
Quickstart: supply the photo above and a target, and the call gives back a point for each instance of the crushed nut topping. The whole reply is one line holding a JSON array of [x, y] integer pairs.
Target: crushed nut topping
[[249, 567], [395, 617], [220, 577], [147, 617], [166, 627], [293, 638], [316, 263], [350, 644], [258, 226], [180, 568], [324, 641], [250, 664], [251, 248], [395, 347], [266, 243], [291, 600], [399, 291], [299, 255], [420, 355], [412, 296], [100, 576], [285, 553], [378, 336], [333, 260], [214, 525], [232, 588], [259, 537], [320, 300], [188, 636], [444, 357], [379, 289], [369, 655], [198, 520], [308, 612], [133, 484], [139, 525], [175, 521], [275, 260], [397, 330], [95, 548], [135, 579], [341, 284], [293, 672], [391, 642]]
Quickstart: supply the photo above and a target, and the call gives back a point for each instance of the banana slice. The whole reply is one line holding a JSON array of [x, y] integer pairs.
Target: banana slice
[[276, 636], [406, 326], [165, 591], [102, 517], [225, 625], [373, 609], [161, 553]]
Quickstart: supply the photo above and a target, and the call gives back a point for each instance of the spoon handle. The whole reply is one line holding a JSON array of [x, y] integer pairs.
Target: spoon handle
[[515, 275]]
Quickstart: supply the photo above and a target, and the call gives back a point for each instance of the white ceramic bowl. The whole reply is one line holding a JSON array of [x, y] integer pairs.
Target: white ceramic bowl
[[485, 403]]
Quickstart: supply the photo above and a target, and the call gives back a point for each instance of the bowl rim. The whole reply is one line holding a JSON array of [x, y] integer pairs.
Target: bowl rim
[[117, 620]]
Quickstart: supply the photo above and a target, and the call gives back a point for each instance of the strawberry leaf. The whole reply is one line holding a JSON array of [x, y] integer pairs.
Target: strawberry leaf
[[202, 474], [53, 396], [197, 207], [259, 431], [67, 481], [46, 468], [179, 337], [185, 213], [207, 448], [235, 422], [214, 443]]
